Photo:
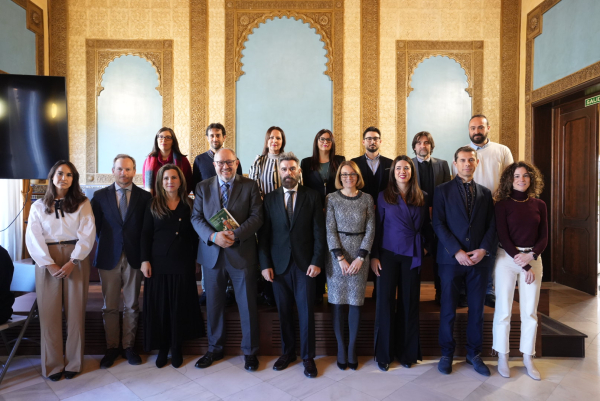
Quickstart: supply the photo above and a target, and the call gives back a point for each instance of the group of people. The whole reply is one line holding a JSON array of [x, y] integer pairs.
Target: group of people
[[300, 224]]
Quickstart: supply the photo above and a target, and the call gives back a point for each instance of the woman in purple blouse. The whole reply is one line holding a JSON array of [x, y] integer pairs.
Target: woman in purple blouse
[[402, 216], [522, 225]]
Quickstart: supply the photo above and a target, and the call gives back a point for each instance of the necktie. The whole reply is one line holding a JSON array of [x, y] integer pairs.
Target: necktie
[[290, 205], [469, 197], [58, 206], [225, 194], [123, 203]]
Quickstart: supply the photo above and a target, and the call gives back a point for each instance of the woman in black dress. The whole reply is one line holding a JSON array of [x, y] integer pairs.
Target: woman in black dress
[[169, 242]]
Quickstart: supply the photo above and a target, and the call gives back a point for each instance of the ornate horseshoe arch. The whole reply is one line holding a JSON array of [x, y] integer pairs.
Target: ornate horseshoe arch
[[242, 17], [99, 54], [409, 54]]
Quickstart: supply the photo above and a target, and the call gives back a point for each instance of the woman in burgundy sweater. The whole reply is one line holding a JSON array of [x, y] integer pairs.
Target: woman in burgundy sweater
[[522, 224]]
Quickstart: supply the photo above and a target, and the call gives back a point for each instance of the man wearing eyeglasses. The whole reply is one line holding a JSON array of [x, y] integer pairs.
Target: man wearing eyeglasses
[[374, 167], [229, 253]]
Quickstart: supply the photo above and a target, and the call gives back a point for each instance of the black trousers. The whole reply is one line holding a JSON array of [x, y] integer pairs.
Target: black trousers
[[397, 320], [292, 285]]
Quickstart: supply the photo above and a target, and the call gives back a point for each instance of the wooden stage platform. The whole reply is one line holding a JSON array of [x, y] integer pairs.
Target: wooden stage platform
[[270, 340]]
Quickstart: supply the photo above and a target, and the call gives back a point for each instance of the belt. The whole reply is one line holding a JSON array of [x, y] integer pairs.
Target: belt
[[351, 234], [69, 242], [520, 248]]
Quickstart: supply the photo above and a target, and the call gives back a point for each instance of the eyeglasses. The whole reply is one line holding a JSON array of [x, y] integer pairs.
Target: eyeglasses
[[324, 140], [228, 162], [372, 139], [165, 138], [348, 175]]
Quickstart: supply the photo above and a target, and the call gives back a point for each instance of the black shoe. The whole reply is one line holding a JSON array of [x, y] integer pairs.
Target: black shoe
[[55, 377], [478, 365], [176, 357], [250, 363], [69, 375], [383, 366], [109, 358], [310, 369], [438, 298], [490, 300], [342, 366], [284, 361], [405, 364], [208, 359], [202, 299], [353, 366], [445, 365], [132, 357], [462, 301], [162, 358]]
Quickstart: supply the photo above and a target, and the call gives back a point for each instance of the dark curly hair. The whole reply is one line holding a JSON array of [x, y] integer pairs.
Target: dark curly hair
[[508, 177]]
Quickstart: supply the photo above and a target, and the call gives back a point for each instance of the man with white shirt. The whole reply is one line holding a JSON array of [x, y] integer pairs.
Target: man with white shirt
[[493, 159]]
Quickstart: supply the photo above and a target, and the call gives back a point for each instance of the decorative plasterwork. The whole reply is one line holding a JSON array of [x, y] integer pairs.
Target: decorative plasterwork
[[57, 31], [35, 23], [198, 75], [369, 65], [409, 54], [510, 34], [242, 17], [99, 54]]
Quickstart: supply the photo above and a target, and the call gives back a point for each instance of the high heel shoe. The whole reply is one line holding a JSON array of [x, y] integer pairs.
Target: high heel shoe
[[161, 360], [342, 366], [530, 366], [353, 366], [503, 367]]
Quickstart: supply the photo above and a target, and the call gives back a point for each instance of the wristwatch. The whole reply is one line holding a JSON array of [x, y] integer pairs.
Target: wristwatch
[[535, 255], [75, 261]]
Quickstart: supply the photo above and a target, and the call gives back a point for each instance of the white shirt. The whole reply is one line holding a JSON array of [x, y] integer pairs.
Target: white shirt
[[286, 195], [493, 159], [45, 228]]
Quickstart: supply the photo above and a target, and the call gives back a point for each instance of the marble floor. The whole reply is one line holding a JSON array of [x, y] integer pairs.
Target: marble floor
[[562, 378]]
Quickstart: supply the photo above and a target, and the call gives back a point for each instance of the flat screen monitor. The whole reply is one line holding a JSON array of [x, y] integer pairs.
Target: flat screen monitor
[[33, 125]]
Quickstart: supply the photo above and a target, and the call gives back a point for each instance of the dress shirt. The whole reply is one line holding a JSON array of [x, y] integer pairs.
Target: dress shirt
[[286, 195], [493, 159], [46, 228], [129, 188], [421, 160], [373, 163]]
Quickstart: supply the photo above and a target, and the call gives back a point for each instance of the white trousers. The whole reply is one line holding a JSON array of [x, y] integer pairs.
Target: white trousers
[[507, 274]]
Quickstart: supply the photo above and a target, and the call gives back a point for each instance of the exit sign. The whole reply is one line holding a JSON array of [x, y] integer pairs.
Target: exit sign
[[592, 100]]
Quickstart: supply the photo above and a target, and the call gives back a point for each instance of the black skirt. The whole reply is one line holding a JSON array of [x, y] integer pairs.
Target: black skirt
[[171, 311]]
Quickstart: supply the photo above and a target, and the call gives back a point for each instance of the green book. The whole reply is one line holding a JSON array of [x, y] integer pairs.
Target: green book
[[223, 221]]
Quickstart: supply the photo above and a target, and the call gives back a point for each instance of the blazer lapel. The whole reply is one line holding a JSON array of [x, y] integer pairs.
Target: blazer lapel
[[215, 197], [280, 206], [235, 192], [462, 206], [112, 201], [434, 167], [300, 197], [135, 196], [478, 200]]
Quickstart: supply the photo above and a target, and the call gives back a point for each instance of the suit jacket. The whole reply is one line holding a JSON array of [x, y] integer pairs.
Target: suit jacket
[[245, 205], [453, 227], [205, 169], [312, 179], [303, 239], [114, 235], [374, 183], [441, 170]]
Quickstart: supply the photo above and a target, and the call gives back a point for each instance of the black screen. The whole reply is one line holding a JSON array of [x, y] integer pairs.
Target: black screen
[[33, 125]]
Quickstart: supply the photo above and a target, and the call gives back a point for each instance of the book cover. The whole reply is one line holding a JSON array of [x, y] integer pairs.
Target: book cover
[[223, 221]]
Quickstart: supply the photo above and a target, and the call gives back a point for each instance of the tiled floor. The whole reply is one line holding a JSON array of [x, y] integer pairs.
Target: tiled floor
[[563, 378]]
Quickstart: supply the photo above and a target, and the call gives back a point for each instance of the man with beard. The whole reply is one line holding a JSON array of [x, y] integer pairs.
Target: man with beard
[[292, 249], [374, 168], [431, 172], [493, 159]]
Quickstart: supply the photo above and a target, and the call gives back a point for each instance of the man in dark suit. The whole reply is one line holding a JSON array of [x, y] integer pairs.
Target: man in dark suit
[[292, 249], [204, 169], [463, 220], [229, 253], [374, 168], [119, 214], [431, 172]]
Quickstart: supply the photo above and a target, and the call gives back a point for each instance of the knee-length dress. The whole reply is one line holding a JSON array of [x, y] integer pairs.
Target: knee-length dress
[[350, 232], [171, 308]]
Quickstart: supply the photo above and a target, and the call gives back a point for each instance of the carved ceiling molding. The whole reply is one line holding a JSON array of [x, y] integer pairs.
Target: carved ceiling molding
[[510, 39], [35, 23], [58, 22], [534, 29], [410, 53], [242, 17], [198, 75], [99, 54], [369, 65]]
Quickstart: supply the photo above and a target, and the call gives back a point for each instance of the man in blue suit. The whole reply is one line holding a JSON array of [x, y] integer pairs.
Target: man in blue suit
[[463, 220], [119, 214]]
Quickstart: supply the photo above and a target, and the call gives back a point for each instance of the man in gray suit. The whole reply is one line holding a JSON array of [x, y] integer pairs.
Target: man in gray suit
[[431, 172], [231, 252]]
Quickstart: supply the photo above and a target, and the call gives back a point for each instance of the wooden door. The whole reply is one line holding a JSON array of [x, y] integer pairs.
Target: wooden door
[[575, 196]]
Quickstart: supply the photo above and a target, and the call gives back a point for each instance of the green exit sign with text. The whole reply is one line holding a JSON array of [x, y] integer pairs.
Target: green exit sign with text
[[592, 100]]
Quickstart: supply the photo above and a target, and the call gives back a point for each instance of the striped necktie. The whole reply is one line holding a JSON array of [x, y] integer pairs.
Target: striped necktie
[[225, 194]]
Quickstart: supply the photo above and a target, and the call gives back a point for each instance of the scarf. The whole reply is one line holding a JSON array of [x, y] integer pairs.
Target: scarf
[[154, 163]]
